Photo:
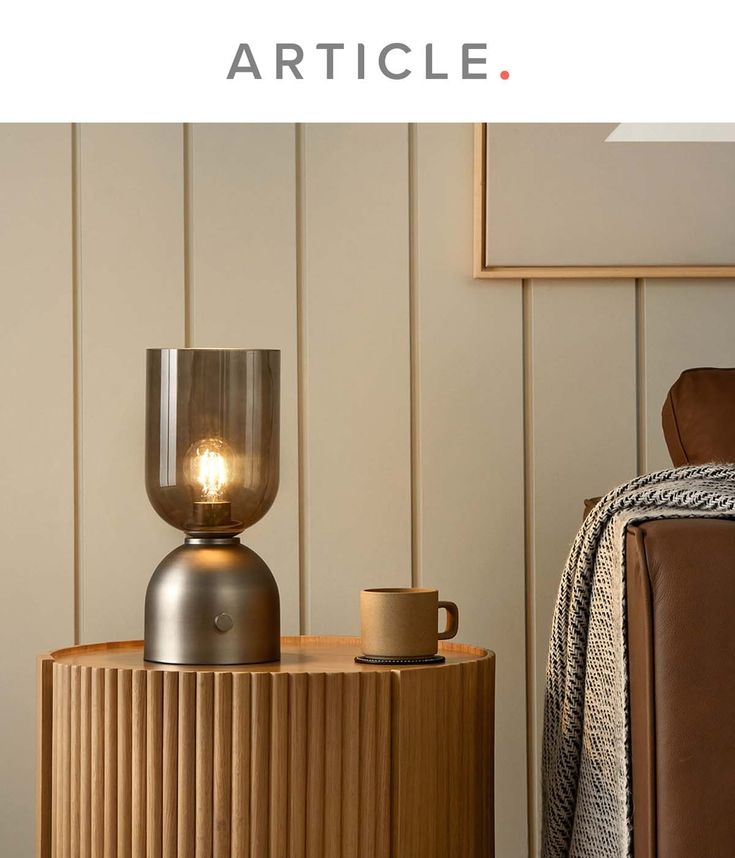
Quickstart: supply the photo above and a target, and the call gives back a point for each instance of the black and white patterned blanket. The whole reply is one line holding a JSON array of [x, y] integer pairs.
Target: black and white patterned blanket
[[587, 802]]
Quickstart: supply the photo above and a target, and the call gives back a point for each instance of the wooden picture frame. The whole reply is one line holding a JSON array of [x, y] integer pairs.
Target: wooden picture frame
[[483, 271]]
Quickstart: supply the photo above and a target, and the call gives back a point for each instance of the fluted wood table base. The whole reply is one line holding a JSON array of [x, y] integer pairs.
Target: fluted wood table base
[[313, 757]]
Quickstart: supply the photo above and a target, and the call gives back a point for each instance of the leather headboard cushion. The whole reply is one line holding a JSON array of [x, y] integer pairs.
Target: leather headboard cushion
[[699, 417]]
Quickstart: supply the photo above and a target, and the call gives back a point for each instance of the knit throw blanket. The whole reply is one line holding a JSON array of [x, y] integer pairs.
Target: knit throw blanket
[[587, 801]]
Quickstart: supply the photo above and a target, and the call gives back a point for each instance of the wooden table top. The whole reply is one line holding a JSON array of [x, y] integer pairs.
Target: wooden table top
[[298, 655]]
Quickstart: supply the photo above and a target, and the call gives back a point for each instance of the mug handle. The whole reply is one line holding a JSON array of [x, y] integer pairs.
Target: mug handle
[[452, 620]]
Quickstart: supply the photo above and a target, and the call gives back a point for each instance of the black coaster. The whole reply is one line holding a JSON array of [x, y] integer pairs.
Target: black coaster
[[411, 659]]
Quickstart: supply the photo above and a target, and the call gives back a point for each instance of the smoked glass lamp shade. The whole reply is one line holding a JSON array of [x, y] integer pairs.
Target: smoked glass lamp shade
[[212, 437]]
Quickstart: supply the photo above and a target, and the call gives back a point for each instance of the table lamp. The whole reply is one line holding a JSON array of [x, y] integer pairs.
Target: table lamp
[[211, 470]]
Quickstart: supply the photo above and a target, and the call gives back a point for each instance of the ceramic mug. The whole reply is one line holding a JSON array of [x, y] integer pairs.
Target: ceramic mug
[[399, 622]]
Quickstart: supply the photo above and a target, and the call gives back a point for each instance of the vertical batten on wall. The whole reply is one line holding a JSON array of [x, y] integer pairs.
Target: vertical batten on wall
[[301, 393], [640, 378], [415, 345], [186, 132], [529, 524], [76, 253]]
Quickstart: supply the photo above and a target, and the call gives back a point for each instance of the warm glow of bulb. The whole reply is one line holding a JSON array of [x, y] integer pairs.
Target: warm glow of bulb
[[211, 473], [209, 468]]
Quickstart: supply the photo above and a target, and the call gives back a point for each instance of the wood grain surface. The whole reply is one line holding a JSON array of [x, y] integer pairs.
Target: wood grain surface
[[315, 757]]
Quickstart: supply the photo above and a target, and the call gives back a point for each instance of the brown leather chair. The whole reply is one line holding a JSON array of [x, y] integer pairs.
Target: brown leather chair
[[680, 585]]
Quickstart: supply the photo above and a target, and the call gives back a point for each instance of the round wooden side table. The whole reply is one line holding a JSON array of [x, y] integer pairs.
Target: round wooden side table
[[312, 757]]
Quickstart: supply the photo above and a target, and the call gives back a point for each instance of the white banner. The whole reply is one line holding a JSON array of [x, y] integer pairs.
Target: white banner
[[319, 60]]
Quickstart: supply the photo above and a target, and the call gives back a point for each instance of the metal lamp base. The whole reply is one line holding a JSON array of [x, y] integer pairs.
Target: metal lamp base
[[212, 601]]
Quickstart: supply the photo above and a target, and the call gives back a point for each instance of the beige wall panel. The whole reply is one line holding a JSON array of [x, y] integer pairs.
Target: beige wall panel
[[132, 297], [688, 323], [357, 367], [36, 454], [469, 345], [582, 426], [243, 294]]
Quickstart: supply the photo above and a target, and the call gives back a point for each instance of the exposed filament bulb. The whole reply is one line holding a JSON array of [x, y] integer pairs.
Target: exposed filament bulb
[[211, 474], [208, 469]]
